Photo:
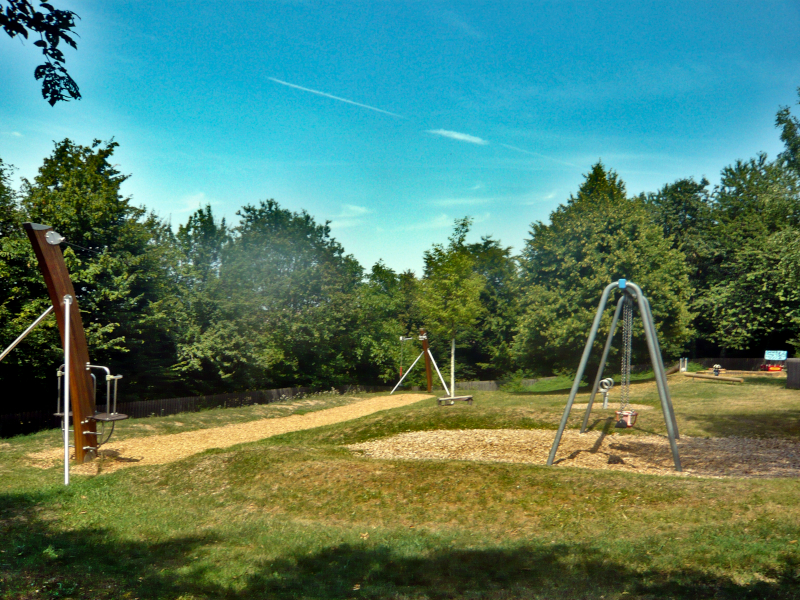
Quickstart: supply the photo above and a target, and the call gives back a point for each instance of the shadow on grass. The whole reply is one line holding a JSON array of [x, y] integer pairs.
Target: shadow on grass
[[90, 563]]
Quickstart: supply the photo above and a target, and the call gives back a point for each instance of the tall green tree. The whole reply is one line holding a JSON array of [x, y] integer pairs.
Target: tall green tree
[[489, 354], [790, 135], [599, 236], [284, 306], [121, 260], [450, 290], [747, 303]]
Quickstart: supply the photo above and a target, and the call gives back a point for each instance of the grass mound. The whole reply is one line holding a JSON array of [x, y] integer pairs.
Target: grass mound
[[299, 516]]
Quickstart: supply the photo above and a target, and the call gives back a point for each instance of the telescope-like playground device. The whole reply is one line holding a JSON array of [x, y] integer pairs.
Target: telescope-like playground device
[[77, 395]]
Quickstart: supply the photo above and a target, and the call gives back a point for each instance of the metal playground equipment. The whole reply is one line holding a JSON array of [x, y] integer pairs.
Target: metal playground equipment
[[631, 296], [77, 396], [426, 352]]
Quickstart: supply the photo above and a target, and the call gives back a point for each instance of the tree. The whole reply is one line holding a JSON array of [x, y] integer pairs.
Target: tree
[[790, 135], [599, 236], [450, 290], [121, 259], [383, 300], [284, 306], [747, 301], [52, 26], [495, 327]]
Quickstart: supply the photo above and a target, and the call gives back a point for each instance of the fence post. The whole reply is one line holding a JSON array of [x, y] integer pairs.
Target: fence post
[[793, 373]]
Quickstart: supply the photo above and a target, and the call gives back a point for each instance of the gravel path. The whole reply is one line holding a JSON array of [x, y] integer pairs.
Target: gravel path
[[705, 457], [159, 449]]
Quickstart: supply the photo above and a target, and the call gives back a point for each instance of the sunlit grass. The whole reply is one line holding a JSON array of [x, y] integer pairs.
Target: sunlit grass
[[298, 516]]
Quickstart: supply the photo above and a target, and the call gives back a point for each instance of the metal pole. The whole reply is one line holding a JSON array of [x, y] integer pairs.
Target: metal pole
[[582, 367], [660, 378], [602, 363], [663, 371], [398, 383], [67, 304], [453, 367], [444, 385], [25, 333]]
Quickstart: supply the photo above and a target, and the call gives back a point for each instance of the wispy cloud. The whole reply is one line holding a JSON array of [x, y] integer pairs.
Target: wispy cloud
[[562, 162], [462, 201], [16, 134], [332, 97], [441, 221], [536, 199], [461, 137], [457, 22], [350, 216]]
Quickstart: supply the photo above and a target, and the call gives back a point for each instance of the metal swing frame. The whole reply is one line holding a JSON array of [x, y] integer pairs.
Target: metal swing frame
[[632, 291]]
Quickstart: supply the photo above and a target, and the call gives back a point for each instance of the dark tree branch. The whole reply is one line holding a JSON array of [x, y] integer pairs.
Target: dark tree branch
[[53, 26]]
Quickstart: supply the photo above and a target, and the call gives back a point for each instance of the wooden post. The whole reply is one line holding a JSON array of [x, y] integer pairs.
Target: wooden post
[[424, 337], [56, 276]]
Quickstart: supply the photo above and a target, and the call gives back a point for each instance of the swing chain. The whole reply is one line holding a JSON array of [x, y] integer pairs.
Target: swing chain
[[627, 339]]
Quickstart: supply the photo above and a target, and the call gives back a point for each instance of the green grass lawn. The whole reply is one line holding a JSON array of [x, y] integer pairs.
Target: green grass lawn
[[298, 516]]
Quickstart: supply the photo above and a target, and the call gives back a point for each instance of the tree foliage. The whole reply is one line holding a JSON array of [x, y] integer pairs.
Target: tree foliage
[[52, 26], [598, 237], [744, 296], [790, 136], [274, 300]]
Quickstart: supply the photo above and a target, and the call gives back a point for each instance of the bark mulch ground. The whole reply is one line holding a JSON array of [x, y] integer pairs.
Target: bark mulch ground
[[702, 457], [159, 449]]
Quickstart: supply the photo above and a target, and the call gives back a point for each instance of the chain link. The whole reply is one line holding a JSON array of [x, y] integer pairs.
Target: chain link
[[627, 339]]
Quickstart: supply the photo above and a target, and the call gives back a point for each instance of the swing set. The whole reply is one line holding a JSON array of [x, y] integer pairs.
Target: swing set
[[631, 296], [77, 397]]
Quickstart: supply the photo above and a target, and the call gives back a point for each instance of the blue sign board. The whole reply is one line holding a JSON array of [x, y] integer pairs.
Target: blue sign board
[[775, 355]]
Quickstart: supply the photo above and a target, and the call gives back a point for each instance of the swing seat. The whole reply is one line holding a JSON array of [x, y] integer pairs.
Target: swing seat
[[108, 417], [628, 417]]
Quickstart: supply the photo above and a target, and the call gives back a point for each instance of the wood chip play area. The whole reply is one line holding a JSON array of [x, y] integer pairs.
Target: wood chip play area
[[704, 457]]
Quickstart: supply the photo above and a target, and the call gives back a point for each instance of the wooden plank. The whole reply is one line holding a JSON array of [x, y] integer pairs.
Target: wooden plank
[[56, 276], [715, 377]]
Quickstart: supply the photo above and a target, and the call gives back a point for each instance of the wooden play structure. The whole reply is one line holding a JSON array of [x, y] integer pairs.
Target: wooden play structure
[[79, 387]]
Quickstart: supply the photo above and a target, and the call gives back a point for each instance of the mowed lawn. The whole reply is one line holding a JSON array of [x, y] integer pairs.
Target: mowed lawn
[[300, 516]]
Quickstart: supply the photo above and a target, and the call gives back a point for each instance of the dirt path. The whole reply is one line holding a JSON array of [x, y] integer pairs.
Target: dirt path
[[159, 449], [704, 457]]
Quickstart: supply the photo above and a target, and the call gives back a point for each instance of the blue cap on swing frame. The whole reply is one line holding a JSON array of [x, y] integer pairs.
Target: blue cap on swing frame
[[622, 284]]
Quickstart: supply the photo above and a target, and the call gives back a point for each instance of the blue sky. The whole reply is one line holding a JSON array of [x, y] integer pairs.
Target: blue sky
[[391, 119]]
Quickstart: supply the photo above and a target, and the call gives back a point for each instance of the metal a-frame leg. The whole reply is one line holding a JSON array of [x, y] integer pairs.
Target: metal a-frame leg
[[603, 360], [658, 369], [581, 368], [663, 371]]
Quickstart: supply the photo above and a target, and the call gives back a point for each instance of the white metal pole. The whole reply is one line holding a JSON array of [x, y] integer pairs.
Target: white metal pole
[[453, 367], [26, 332], [407, 372], [444, 385], [67, 304]]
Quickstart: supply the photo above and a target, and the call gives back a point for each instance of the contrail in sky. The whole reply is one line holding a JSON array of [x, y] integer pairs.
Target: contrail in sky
[[461, 137], [305, 89], [563, 162]]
